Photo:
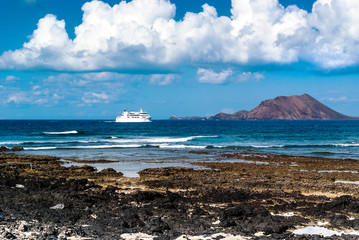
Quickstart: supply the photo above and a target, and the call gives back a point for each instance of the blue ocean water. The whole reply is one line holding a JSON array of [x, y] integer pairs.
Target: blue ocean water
[[166, 140]]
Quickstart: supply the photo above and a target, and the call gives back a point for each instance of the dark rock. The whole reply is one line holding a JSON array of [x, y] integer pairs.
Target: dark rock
[[14, 149], [249, 219], [240, 115], [146, 196], [9, 235], [156, 225], [109, 172]]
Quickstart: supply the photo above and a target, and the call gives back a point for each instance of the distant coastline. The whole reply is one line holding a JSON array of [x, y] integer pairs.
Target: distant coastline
[[296, 107]]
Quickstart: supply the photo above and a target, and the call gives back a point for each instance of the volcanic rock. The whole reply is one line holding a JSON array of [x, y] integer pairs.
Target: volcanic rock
[[14, 149], [240, 115], [297, 107]]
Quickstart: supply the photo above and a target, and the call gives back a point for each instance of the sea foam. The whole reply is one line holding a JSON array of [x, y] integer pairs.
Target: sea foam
[[62, 133]]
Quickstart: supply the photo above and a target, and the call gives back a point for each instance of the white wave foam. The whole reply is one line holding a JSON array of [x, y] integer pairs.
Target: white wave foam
[[62, 133], [48, 142], [106, 146], [158, 139], [40, 148], [11, 143], [347, 145], [182, 146], [268, 146], [112, 140]]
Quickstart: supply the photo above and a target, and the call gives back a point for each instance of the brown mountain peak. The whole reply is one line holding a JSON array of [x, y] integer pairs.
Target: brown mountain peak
[[296, 107]]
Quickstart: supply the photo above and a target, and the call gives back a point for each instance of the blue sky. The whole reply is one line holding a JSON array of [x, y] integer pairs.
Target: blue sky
[[65, 59]]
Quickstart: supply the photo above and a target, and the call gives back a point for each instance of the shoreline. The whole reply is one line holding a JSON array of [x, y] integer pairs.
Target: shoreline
[[252, 195]]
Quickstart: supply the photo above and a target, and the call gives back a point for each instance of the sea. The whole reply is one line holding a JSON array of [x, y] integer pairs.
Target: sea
[[164, 143]]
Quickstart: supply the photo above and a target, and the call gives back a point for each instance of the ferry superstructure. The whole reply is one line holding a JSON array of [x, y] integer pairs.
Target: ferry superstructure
[[133, 116]]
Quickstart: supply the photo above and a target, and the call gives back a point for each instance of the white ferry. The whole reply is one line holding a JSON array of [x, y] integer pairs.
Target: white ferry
[[133, 116]]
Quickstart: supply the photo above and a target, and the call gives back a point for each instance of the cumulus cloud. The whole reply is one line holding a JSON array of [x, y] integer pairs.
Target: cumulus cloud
[[336, 43], [17, 98], [93, 97], [212, 77], [36, 96], [143, 35], [162, 79]]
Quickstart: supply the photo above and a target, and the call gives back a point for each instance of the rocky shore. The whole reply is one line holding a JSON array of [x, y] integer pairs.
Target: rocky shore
[[247, 196]]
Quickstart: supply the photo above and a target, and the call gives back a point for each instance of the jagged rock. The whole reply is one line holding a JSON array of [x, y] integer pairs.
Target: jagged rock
[[14, 149]]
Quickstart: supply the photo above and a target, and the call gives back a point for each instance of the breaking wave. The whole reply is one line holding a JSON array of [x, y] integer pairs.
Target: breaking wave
[[62, 133], [40, 148]]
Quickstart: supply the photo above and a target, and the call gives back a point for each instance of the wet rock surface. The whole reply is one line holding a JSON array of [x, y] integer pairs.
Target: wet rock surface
[[247, 199], [14, 149]]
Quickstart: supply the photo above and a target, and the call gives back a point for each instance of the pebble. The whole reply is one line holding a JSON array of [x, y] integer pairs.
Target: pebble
[[58, 206], [22, 228]]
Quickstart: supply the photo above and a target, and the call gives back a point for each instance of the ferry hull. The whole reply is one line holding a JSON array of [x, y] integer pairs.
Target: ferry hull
[[132, 120]]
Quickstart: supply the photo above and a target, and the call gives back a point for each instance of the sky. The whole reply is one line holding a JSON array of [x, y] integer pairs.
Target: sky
[[79, 59]]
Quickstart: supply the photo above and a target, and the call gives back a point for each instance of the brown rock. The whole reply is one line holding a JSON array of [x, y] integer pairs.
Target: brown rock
[[14, 149], [298, 107]]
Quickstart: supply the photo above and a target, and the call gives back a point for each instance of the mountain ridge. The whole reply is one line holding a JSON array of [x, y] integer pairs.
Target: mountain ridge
[[295, 107]]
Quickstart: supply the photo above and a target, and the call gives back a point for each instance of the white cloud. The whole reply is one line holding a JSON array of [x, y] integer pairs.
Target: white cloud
[[336, 43], [337, 99], [17, 98], [143, 35], [56, 97], [11, 78], [102, 76], [83, 79], [41, 101], [36, 87], [93, 97], [247, 76], [162, 79], [209, 76], [212, 77]]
